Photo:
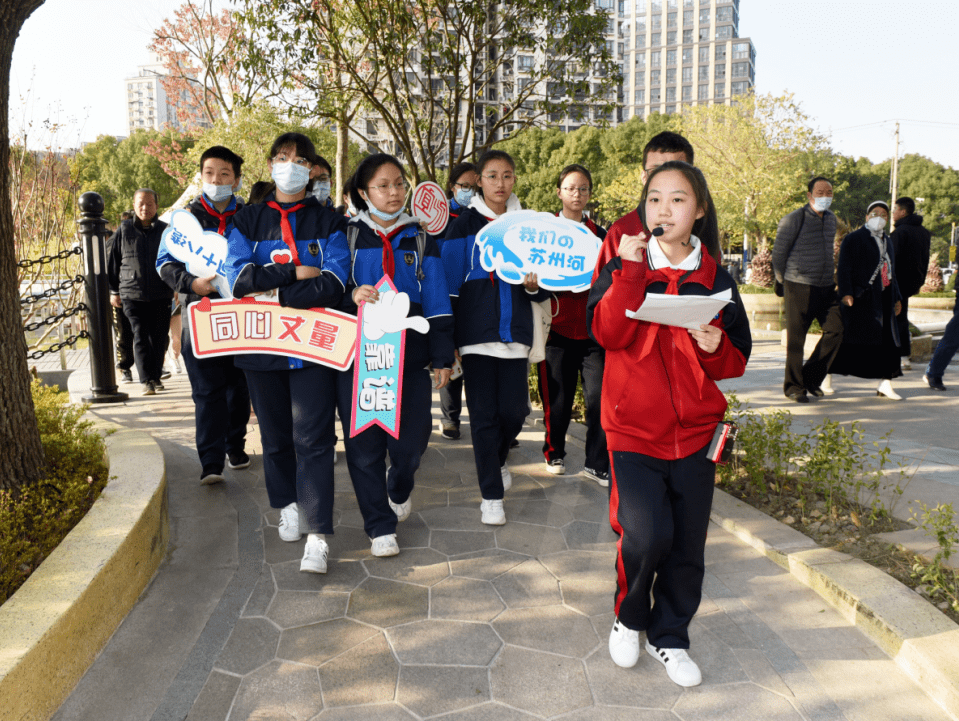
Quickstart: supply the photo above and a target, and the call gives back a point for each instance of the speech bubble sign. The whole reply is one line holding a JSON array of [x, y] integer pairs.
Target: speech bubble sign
[[431, 204], [561, 253], [202, 251]]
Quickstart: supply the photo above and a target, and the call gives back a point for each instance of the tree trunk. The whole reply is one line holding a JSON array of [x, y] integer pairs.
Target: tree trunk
[[342, 155], [20, 445]]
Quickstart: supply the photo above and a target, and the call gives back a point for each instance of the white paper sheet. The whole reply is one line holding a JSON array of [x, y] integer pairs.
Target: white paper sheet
[[685, 311]]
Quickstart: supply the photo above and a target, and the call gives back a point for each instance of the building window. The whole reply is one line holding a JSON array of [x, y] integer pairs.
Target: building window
[[688, 18], [687, 75], [688, 3], [687, 56], [670, 109], [656, 6], [640, 97], [671, 37], [654, 95], [704, 34], [671, 76], [525, 62], [740, 51], [657, 21], [671, 4], [604, 4], [640, 7], [739, 88], [724, 15], [704, 17], [719, 91], [740, 70], [640, 41], [687, 92], [654, 58], [704, 72], [724, 32], [655, 39], [670, 57], [640, 60], [671, 20], [704, 92], [687, 37], [641, 25], [720, 72], [670, 95], [622, 49], [721, 53], [654, 77], [640, 78]]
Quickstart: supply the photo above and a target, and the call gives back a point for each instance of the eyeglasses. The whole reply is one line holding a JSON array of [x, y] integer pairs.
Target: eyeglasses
[[402, 186], [876, 215], [465, 186], [323, 178], [582, 190], [284, 158], [506, 177]]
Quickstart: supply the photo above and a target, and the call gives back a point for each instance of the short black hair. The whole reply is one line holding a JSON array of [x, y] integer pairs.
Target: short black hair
[[147, 190], [260, 190], [456, 172], [127, 215], [668, 142], [223, 153], [322, 162], [818, 178], [490, 155], [304, 146], [907, 204], [575, 168], [364, 174]]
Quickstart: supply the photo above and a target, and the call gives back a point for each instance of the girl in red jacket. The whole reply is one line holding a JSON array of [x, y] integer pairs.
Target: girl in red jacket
[[660, 410]]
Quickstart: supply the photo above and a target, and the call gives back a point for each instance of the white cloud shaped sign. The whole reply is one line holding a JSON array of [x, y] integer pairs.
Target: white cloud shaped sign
[[202, 251]]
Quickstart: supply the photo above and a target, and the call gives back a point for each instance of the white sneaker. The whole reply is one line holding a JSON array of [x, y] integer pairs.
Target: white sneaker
[[885, 389], [557, 467], [507, 477], [384, 546], [906, 364], [290, 523], [314, 555], [682, 670], [493, 513], [402, 510], [623, 645], [826, 386]]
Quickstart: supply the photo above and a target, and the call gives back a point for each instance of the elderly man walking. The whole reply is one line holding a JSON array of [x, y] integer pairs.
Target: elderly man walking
[[803, 262]]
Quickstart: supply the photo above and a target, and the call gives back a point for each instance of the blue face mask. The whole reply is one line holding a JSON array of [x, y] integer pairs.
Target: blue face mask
[[290, 178], [321, 191], [217, 193], [463, 197], [384, 216]]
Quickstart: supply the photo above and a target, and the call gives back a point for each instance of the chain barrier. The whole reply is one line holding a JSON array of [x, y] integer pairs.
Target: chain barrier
[[53, 319], [56, 347], [50, 292], [62, 255]]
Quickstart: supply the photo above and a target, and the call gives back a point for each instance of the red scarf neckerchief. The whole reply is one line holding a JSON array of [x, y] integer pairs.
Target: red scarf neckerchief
[[217, 214], [681, 339], [286, 230]]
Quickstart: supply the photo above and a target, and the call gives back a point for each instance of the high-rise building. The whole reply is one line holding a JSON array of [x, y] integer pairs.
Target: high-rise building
[[148, 105]]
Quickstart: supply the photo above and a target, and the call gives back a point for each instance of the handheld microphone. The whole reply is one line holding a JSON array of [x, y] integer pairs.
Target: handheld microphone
[[658, 231]]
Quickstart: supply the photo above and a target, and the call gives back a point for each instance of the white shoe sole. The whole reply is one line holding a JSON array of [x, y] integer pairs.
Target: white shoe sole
[[212, 478]]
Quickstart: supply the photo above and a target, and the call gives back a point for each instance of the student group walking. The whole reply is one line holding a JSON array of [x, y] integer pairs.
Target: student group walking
[[652, 403]]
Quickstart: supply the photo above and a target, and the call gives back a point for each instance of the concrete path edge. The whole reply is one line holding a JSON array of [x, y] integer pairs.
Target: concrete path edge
[[55, 625], [921, 640]]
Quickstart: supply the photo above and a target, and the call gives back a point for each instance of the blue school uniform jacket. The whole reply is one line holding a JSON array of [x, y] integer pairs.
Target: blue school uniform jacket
[[429, 297], [486, 309], [258, 260]]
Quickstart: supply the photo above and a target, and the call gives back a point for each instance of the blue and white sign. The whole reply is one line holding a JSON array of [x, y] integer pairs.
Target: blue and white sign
[[202, 251], [561, 253]]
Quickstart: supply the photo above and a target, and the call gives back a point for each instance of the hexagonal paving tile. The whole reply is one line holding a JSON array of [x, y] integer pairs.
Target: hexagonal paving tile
[[527, 538], [540, 683], [465, 599], [454, 518], [446, 643], [573, 493], [252, 644], [485, 565], [646, 685], [587, 536], [454, 543], [279, 691], [744, 702], [580, 565], [413, 532], [373, 712], [422, 566], [490, 712], [263, 593], [543, 513], [319, 642], [385, 603], [340, 576], [364, 674], [300, 608], [554, 629], [430, 690], [529, 584]]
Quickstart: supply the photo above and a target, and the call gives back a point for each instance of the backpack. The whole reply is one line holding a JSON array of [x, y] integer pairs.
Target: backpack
[[353, 232]]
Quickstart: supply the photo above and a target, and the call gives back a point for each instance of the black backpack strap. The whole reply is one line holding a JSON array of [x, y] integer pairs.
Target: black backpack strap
[[420, 251]]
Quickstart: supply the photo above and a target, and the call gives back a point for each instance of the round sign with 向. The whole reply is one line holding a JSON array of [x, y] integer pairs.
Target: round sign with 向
[[430, 204]]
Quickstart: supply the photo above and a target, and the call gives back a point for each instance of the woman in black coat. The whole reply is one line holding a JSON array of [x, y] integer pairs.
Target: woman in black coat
[[870, 302]]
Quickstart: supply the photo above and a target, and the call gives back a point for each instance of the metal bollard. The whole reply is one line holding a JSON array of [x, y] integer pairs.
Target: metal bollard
[[92, 227]]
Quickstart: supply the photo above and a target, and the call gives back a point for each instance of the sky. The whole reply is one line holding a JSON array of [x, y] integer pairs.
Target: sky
[[856, 67]]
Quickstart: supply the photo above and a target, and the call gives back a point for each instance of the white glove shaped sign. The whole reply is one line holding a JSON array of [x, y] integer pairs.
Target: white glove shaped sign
[[390, 315]]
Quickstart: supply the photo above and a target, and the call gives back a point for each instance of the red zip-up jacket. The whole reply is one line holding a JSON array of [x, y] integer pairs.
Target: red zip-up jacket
[[656, 400], [629, 224]]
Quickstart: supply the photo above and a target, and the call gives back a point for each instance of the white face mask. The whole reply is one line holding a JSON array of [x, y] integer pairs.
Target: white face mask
[[875, 224], [217, 193], [822, 204], [321, 191], [290, 178]]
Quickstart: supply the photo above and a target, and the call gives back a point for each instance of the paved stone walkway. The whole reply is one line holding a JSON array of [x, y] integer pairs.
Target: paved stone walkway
[[468, 622]]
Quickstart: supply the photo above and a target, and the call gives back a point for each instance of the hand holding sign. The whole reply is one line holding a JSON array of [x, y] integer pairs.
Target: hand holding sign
[[202, 251], [389, 315]]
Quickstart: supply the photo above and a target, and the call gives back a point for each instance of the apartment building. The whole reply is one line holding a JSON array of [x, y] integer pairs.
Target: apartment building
[[148, 105]]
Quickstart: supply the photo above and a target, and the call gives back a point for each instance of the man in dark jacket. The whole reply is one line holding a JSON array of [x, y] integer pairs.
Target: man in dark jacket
[[803, 263], [910, 242], [136, 287]]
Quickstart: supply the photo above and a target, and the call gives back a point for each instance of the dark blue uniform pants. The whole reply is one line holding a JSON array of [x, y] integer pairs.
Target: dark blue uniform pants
[[660, 509], [497, 393], [566, 360], [947, 347], [150, 321], [366, 453], [221, 403], [295, 413], [451, 400]]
